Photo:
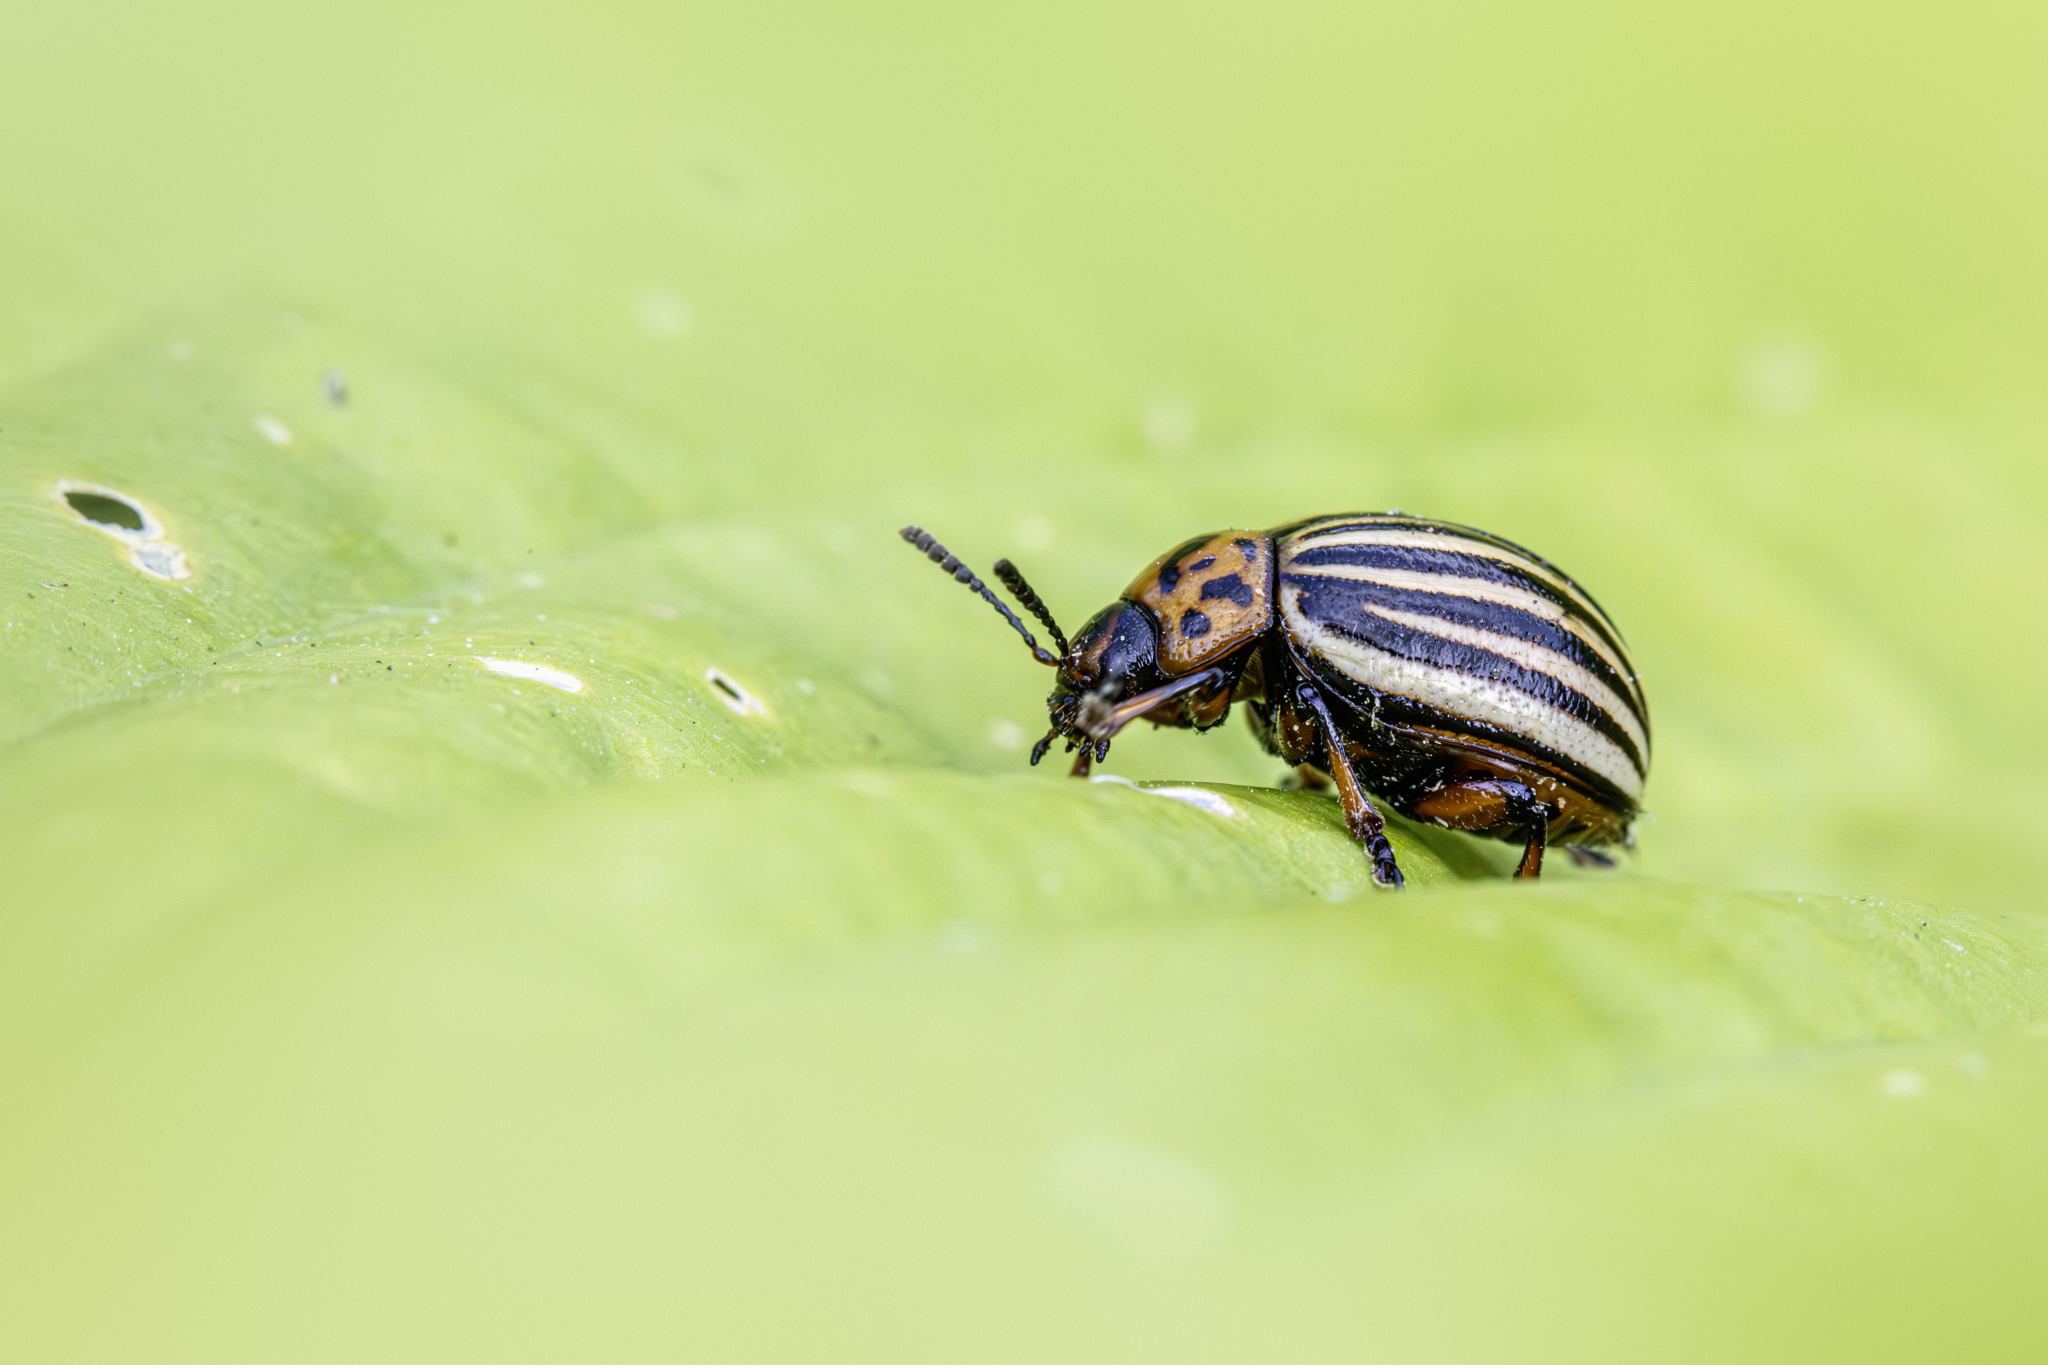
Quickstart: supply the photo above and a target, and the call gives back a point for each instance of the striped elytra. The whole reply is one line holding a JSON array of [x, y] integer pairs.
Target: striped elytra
[[1454, 675], [1463, 626]]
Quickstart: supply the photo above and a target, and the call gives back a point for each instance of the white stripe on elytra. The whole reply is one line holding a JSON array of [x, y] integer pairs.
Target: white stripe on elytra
[[1533, 657], [1450, 542], [1480, 590], [1462, 694]]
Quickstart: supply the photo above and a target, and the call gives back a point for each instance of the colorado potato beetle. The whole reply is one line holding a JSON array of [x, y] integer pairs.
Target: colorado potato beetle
[[1465, 681]]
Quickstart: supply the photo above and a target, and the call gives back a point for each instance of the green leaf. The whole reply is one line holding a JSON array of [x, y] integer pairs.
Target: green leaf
[[540, 871]]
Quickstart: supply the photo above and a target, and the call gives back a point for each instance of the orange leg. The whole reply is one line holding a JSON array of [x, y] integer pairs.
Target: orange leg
[[1311, 780], [1531, 865], [1486, 803]]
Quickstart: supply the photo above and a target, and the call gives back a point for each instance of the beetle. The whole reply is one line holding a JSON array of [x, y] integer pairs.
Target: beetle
[[1465, 681]]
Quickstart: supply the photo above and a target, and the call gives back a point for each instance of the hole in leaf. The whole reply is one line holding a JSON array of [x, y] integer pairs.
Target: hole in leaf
[[126, 520], [102, 509], [737, 698]]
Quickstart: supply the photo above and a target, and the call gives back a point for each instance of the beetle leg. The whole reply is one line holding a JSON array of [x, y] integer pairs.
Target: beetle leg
[[1083, 761], [1531, 865], [1038, 749], [1527, 809], [1487, 804], [1311, 779], [1365, 823]]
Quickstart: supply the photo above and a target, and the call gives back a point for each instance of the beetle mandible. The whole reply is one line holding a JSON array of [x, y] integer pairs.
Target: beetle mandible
[[1465, 681]]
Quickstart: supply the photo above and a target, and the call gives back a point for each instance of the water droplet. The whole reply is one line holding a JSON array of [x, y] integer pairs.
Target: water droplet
[[1034, 533], [1783, 376], [1139, 1201], [533, 672], [665, 315], [1170, 424], [963, 936], [271, 430], [1904, 1084]]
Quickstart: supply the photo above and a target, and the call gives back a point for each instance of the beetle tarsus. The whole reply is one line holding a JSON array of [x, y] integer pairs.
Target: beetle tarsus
[[1385, 871], [1038, 749]]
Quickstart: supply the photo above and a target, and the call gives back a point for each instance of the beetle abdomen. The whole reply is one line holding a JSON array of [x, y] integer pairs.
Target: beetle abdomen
[[1464, 627]]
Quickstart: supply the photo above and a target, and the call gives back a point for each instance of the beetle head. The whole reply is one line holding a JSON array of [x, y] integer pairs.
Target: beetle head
[[1107, 677], [1114, 658]]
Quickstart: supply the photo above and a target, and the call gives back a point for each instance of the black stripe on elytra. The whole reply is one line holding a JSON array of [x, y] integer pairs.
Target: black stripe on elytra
[[1345, 599], [1451, 531], [1450, 563], [1387, 521], [1230, 588], [1404, 642], [1397, 710]]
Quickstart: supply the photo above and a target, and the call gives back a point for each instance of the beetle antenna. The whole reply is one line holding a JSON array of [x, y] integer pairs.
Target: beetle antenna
[[1013, 579], [945, 559]]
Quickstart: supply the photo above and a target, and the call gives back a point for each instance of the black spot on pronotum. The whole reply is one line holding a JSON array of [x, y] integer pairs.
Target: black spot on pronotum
[[1204, 562], [1193, 624], [1229, 587], [1169, 577], [102, 509]]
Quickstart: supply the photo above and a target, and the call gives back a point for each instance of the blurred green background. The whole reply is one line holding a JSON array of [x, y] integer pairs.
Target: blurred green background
[[358, 1002]]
